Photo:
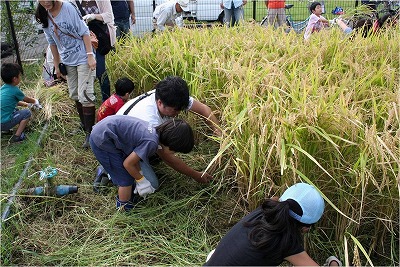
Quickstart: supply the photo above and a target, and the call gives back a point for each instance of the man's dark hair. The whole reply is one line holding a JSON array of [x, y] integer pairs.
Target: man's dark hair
[[9, 71], [123, 86], [314, 5], [177, 135], [173, 92]]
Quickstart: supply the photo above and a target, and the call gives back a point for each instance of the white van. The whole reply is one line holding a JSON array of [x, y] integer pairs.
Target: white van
[[200, 10]]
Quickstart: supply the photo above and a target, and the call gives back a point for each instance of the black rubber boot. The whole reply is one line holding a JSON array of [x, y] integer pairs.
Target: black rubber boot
[[79, 108], [89, 114]]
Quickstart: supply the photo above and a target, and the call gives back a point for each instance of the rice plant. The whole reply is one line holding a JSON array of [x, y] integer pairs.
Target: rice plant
[[325, 112]]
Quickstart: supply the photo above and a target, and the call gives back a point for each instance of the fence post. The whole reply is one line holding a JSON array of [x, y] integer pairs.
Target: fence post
[[14, 36], [254, 9]]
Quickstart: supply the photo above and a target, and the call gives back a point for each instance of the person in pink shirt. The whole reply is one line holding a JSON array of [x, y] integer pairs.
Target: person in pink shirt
[[123, 88], [316, 21]]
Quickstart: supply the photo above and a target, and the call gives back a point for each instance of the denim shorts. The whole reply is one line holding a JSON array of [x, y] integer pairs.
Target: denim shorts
[[348, 30], [16, 117], [113, 163]]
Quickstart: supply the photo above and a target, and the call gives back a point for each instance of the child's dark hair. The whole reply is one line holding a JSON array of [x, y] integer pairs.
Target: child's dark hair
[[276, 231], [177, 135], [314, 5], [173, 91], [123, 86], [9, 71]]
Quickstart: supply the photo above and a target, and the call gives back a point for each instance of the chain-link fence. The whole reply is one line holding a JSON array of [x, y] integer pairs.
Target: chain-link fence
[[18, 17], [20, 32]]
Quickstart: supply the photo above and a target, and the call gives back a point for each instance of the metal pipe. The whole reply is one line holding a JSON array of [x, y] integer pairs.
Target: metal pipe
[[11, 198]]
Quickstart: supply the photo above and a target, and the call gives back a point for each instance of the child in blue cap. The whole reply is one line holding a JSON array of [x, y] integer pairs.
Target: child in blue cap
[[273, 232]]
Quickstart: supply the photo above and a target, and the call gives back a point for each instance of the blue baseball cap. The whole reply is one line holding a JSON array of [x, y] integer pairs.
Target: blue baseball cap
[[309, 199]]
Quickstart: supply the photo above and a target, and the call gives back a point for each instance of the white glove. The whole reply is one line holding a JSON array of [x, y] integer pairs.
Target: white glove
[[37, 105], [143, 187], [89, 17], [179, 21]]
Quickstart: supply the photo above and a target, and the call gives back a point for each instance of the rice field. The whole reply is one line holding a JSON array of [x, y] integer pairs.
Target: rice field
[[325, 112]]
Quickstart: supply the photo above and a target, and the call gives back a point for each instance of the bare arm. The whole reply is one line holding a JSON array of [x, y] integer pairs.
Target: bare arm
[[131, 164], [180, 166], [28, 99], [341, 24], [324, 20], [206, 112], [301, 259], [266, 4], [56, 60], [89, 52], [132, 10]]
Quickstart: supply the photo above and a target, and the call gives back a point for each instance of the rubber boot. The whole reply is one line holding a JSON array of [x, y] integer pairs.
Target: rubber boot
[[89, 114], [79, 108]]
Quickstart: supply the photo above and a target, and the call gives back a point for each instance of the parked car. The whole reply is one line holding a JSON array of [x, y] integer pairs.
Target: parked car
[[200, 10]]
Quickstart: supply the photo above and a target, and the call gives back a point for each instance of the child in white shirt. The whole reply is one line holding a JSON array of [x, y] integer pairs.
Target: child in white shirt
[[316, 21]]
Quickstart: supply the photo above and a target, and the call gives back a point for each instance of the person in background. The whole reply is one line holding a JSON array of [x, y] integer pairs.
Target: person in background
[[123, 10], [368, 26], [233, 10], [273, 232], [101, 10], [10, 97], [69, 40], [122, 143], [276, 13], [169, 14], [123, 88], [316, 21], [170, 97]]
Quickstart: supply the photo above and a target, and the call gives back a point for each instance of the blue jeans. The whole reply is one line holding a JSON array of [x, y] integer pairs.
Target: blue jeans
[[16, 117], [123, 27], [113, 163], [233, 15], [101, 74], [149, 173]]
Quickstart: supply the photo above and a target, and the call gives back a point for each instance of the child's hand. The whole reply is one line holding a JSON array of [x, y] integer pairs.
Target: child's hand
[[35, 105]]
